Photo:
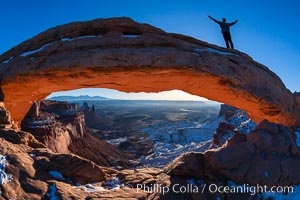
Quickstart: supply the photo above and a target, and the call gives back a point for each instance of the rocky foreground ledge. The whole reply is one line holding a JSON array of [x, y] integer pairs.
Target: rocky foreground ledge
[[268, 155], [122, 54]]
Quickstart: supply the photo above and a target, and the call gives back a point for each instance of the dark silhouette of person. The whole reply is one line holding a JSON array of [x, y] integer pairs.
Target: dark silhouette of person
[[225, 29]]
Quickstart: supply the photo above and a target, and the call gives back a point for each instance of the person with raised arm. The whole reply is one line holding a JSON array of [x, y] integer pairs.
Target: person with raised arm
[[225, 29]]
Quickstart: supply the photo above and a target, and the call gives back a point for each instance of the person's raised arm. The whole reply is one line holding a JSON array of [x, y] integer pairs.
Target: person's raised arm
[[233, 23], [213, 19]]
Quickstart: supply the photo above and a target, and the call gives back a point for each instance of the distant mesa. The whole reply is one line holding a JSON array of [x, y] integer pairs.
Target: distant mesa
[[78, 98], [121, 54]]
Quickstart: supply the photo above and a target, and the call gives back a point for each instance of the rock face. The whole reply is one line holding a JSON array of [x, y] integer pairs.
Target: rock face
[[5, 118], [29, 164], [93, 120], [33, 171], [268, 155], [55, 124], [61, 127], [236, 122], [121, 54]]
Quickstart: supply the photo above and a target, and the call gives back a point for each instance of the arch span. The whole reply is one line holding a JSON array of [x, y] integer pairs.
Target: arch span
[[121, 54]]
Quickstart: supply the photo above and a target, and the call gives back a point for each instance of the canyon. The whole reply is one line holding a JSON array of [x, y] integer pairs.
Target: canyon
[[47, 152]]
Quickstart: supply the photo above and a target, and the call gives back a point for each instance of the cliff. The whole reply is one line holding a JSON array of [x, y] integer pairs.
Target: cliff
[[61, 127]]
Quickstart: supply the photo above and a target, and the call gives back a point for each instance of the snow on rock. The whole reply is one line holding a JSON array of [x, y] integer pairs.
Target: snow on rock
[[66, 39], [114, 184], [213, 51], [8, 60], [27, 53], [241, 121], [52, 192], [57, 175], [32, 155], [78, 38], [117, 141], [131, 36], [90, 188], [4, 177], [297, 133], [42, 123], [166, 152], [175, 137]]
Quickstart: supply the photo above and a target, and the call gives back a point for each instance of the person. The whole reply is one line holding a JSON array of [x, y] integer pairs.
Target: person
[[225, 29]]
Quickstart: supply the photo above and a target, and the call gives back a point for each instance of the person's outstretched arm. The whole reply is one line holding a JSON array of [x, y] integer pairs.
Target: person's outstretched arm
[[233, 23], [213, 19]]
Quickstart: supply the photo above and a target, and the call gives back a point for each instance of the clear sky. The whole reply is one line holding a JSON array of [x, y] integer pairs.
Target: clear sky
[[268, 30], [114, 94]]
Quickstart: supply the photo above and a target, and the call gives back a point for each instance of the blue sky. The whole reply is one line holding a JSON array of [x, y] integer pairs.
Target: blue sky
[[267, 30]]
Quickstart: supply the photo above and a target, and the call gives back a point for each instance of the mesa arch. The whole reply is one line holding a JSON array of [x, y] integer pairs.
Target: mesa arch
[[121, 54]]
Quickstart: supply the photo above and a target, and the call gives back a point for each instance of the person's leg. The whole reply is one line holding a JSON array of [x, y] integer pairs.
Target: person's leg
[[230, 41], [225, 36]]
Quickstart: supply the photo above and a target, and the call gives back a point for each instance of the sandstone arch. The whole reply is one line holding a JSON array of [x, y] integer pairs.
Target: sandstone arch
[[121, 54]]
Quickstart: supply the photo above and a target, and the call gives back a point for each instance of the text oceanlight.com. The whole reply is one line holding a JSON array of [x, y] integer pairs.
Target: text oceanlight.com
[[213, 188]]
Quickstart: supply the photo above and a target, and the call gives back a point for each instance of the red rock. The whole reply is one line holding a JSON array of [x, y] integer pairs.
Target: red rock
[[150, 61], [145, 176], [61, 127], [270, 137], [260, 158], [227, 111], [189, 165]]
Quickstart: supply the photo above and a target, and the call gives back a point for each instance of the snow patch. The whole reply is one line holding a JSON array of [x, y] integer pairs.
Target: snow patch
[[116, 141], [57, 175], [81, 37], [66, 39], [32, 155], [175, 137], [213, 51], [297, 133], [131, 36], [8, 60], [88, 36], [42, 123], [4, 177], [27, 53], [114, 184], [241, 121], [51, 192], [91, 188]]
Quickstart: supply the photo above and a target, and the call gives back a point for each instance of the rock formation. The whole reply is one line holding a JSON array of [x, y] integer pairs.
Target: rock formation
[[35, 169], [93, 120], [119, 53], [60, 126], [236, 122], [35, 172], [268, 155]]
